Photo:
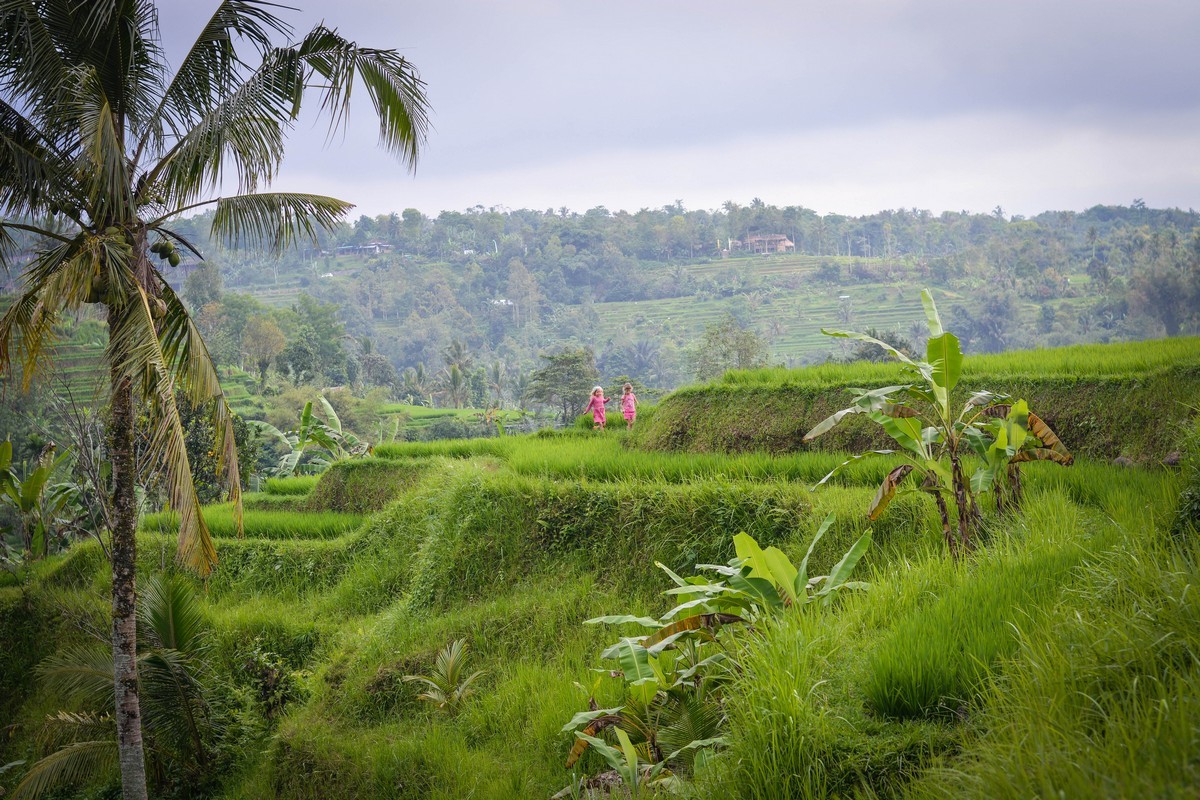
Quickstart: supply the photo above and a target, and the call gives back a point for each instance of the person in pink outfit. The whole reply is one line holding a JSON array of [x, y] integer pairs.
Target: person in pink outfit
[[629, 406], [596, 406]]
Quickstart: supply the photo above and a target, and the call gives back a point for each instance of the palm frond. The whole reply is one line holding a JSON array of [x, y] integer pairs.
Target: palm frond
[[120, 40], [688, 719], [395, 88], [29, 168], [169, 608], [103, 149], [80, 674], [277, 219], [189, 361], [244, 130], [134, 350], [59, 279], [34, 66], [69, 727], [211, 67], [76, 763], [20, 327], [174, 706]]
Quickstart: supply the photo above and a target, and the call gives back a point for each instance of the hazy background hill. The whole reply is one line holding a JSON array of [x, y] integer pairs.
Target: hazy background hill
[[395, 302]]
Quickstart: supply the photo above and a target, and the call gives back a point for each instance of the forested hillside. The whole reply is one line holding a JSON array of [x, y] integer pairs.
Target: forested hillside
[[489, 290]]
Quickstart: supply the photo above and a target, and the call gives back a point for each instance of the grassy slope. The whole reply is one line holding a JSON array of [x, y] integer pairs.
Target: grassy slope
[[1009, 675], [1104, 400]]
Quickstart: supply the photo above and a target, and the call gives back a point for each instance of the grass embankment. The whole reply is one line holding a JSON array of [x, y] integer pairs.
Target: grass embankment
[[1063, 657], [1106, 401]]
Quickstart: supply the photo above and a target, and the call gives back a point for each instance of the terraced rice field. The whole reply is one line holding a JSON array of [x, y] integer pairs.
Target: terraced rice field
[[791, 308]]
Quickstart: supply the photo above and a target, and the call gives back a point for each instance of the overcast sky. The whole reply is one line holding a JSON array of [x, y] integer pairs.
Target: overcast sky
[[848, 106]]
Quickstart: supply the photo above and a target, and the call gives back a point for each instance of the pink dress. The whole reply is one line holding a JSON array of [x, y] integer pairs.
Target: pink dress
[[628, 405], [596, 406]]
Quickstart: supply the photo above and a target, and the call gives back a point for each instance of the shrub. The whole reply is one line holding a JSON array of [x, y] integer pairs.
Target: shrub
[[363, 485]]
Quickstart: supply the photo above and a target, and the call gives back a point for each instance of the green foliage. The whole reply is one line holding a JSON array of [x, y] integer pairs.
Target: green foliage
[[177, 715], [672, 676], [727, 345], [933, 441], [200, 438], [565, 381], [36, 503], [447, 685], [325, 436]]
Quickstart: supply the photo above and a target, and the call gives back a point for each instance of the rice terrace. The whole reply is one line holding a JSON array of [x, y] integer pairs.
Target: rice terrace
[[751, 501]]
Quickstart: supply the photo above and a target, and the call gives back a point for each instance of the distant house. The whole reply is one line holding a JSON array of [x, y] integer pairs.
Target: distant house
[[370, 248], [769, 243]]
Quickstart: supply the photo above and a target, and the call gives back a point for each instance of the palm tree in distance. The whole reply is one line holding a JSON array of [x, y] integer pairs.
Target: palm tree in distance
[[101, 148]]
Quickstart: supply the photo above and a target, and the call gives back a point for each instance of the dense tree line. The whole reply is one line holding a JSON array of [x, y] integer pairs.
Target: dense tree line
[[458, 308]]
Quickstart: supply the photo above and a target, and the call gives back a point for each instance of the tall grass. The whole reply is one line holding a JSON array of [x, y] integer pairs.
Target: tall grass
[[1124, 360], [262, 523], [1102, 697], [935, 659], [296, 484]]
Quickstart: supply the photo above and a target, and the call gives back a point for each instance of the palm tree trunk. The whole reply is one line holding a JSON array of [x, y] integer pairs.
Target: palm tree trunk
[[124, 561]]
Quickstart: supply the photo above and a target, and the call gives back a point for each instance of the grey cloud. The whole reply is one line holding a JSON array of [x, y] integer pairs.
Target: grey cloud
[[520, 84]]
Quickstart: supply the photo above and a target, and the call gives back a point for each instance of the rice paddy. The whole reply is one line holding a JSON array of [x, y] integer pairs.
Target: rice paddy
[[1062, 658]]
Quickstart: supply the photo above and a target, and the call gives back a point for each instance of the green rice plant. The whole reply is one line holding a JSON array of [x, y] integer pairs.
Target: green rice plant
[[262, 501], [263, 523], [937, 658], [1102, 695], [362, 485], [1105, 400], [294, 485], [450, 448], [797, 725], [1124, 359]]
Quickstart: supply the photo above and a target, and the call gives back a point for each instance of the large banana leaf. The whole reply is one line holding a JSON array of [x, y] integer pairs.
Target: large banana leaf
[[841, 571], [887, 490], [852, 460], [931, 314], [862, 337], [945, 356]]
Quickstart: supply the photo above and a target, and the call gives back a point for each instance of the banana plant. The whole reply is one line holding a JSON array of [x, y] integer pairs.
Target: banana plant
[[933, 440], [672, 673], [36, 503], [1018, 436], [314, 433]]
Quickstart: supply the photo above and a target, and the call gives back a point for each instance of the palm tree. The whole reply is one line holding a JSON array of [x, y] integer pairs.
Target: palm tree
[[455, 387], [174, 653], [101, 148], [497, 377]]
